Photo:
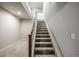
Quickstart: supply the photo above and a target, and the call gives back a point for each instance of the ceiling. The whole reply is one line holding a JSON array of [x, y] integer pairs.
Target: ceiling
[[15, 7], [36, 5]]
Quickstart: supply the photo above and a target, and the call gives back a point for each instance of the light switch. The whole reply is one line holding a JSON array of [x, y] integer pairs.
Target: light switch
[[73, 36]]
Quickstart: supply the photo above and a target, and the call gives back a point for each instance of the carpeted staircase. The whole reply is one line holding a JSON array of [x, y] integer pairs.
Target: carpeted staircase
[[43, 44]]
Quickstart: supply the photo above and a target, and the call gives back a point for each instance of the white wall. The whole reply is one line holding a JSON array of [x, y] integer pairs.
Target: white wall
[[40, 16], [9, 28], [13, 29], [26, 27], [63, 20]]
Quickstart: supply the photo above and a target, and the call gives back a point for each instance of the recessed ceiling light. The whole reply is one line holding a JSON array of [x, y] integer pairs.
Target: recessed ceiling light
[[19, 13]]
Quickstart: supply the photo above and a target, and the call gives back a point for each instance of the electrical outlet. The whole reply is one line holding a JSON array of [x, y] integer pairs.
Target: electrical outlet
[[73, 36]]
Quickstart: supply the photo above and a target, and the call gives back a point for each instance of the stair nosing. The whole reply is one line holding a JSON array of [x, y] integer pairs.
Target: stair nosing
[[44, 48], [42, 38], [45, 55], [43, 42]]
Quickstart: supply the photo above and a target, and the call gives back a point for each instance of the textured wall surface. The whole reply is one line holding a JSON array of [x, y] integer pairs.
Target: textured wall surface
[[9, 28], [63, 20]]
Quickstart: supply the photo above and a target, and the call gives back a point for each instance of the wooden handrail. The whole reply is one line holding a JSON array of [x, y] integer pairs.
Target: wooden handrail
[[32, 39]]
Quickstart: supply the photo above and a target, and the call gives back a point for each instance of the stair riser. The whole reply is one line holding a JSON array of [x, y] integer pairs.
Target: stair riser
[[42, 36], [42, 33], [41, 28], [43, 40], [44, 52], [48, 55], [43, 45], [41, 25]]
